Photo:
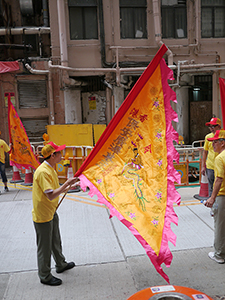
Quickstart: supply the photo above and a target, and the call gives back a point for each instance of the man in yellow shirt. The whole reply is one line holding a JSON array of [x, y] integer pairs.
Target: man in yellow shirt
[[4, 148], [208, 154], [45, 194], [217, 199]]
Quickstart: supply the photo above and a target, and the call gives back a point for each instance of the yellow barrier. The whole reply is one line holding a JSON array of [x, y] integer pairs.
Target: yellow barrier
[[79, 139], [189, 165]]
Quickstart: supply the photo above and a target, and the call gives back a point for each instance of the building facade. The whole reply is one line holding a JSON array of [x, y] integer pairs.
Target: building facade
[[80, 58]]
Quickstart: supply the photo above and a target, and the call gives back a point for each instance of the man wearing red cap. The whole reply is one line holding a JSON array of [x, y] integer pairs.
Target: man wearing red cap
[[217, 199], [209, 154], [45, 194]]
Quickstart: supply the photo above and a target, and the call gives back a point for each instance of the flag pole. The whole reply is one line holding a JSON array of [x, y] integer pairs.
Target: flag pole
[[63, 197]]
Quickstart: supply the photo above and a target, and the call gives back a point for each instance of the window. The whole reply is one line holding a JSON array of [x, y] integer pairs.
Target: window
[[174, 19], [213, 18], [133, 20], [83, 19]]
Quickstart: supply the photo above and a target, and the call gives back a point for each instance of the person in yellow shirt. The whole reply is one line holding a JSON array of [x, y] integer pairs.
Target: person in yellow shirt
[[217, 199], [45, 194], [4, 148], [208, 154]]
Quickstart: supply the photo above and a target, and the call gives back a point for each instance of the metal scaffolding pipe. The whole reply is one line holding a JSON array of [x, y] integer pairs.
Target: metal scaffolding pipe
[[24, 30]]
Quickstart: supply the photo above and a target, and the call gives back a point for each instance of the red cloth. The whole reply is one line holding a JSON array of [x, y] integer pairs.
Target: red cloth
[[9, 66], [222, 98]]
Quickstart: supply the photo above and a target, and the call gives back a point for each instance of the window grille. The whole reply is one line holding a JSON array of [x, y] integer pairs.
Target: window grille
[[133, 20], [174, 19], [83, 19], [213, 18]]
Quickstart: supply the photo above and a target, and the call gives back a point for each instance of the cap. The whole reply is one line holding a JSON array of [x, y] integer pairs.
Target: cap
[[220, 134], [214, 121], [51, 148]]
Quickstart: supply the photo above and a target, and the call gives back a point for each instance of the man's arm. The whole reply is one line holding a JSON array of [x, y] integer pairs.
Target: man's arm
[[55, 193], [216, 188], [204, 157]]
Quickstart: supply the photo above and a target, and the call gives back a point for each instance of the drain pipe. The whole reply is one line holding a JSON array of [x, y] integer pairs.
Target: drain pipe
[[51, 103], [45, 12], [197, 18], [63, 42], [158, 33]]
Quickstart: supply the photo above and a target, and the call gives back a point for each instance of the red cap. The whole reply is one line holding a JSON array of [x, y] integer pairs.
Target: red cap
[[220, 134], [50, 148], [214, 121]]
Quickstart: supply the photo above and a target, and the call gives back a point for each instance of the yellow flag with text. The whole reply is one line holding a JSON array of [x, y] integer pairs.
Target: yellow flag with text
[[131, 167]]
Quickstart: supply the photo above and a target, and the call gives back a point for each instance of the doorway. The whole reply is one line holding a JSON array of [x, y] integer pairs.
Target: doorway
[[200, 107]]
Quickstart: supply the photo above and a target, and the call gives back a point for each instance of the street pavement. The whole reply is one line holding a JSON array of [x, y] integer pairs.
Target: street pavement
[[110, 262]]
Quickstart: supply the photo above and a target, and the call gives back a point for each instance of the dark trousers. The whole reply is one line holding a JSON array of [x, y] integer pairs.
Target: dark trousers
[[2, 171], [210, 176], [219, 226], [49, 243]]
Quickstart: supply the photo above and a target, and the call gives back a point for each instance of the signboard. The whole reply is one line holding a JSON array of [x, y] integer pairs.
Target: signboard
[[12, 98]]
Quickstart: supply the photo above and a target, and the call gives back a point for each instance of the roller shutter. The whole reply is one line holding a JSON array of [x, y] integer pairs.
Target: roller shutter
[[32, 94], [35, 128]]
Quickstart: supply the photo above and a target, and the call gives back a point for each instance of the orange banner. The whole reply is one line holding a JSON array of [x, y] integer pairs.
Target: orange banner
[[21, 154]]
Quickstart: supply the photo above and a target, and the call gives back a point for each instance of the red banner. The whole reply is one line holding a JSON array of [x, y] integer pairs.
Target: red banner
[[222, 98], [9, 66]]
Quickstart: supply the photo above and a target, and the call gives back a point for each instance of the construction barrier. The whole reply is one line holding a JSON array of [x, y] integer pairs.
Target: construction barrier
[[204, 189], [190, 160], [190, 156], [16, 176], [28, 177], [169, 292]]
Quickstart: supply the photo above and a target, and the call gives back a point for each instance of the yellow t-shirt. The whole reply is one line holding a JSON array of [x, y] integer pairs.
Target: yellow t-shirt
[[220, 171], [45, 178], [3, 148], [211, 153]]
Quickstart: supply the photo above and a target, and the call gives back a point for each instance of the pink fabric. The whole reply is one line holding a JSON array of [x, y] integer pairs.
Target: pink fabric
[[9, 66]]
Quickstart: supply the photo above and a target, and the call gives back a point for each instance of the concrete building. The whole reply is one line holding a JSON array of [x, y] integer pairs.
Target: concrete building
[[86, 56]]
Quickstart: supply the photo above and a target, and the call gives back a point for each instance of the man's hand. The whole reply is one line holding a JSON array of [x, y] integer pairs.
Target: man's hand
[[217, 184], [63, 188], [209, 202], [71, 181], [203, 170]]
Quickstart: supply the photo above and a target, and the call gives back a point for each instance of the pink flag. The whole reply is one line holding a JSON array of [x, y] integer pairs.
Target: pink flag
[[222, 98]]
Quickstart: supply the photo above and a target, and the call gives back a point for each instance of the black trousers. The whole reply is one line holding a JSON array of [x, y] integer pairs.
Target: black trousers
[[49, 243]]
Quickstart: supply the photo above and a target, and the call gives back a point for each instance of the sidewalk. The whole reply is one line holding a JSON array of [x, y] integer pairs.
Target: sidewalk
[[110, 262]]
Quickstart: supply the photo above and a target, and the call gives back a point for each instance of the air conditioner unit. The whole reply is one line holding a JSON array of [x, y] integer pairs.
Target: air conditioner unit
[[26, 7]]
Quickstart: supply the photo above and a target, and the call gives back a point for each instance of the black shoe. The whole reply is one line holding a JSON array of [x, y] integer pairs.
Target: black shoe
[[6, 189], [53, 281], [69, 265]]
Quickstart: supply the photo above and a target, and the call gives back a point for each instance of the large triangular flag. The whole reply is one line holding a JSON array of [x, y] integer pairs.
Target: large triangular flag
[[222, 98], [131, 167], [21, 154]]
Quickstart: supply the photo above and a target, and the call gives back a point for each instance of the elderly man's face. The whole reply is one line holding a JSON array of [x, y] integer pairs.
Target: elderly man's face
[[214, 128]]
